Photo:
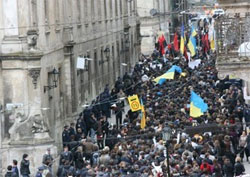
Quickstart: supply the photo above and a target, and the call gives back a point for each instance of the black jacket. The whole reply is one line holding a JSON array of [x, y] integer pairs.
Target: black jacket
[[228, 170], [24, 167], [238, 168], [10, 174]]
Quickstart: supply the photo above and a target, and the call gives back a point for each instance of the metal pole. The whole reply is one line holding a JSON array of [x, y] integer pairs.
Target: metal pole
[[168, 168]]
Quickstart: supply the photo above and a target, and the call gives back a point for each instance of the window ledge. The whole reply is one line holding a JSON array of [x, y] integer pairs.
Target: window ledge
[[57, 29], [79, 25]]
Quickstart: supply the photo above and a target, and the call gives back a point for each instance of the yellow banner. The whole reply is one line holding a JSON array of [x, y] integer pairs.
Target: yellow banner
[[134, 103]]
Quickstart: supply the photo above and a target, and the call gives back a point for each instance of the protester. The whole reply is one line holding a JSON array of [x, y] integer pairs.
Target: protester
[[238, 167], [10, 173], [24, 166], [40, 172], [243, 146], [47, 158], [15, 168], [206, 145]]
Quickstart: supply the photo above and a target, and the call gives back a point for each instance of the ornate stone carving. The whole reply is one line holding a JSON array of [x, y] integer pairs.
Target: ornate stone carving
[[32, 36], [39, 124], [26, 127], [34, 74]]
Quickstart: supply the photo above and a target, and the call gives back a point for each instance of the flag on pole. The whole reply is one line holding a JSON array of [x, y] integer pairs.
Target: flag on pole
[[143, 116], [211, 36], [197, 105], [182, 40], [176, 42], [168, 75], [192, 42]]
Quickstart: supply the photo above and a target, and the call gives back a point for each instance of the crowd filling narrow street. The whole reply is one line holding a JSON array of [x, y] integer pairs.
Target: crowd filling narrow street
[[180, 96]]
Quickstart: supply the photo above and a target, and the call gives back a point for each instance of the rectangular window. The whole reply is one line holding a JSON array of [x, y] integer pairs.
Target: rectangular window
[[57, 12], [79, 11], [121, 8], [116, 8], [111, 9], [93, 10], [85, 10], [34, 12], [105, 9], [99, 12], [131, 8], [46, 11]]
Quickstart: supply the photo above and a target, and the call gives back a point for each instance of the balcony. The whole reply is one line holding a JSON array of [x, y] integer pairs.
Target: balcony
[[231, 35]]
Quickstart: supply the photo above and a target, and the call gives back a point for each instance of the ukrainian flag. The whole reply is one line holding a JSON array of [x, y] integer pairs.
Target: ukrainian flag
[[192, 42], [197, 106], [143, 118], [168, 75], [182, 40]]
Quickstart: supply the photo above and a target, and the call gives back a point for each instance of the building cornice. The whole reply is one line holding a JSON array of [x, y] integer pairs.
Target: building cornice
[[235, 5], [21, 56]]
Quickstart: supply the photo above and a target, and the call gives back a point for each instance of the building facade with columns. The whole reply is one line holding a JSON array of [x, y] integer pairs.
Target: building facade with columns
[[154, 20], [41, 88]]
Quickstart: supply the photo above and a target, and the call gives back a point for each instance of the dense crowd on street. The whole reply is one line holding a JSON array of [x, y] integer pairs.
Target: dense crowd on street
[[92, 146]]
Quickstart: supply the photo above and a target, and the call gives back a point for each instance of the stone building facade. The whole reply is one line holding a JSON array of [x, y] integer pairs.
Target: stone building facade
[[40, 87], [154, 19], [239, 7], [233, 37]]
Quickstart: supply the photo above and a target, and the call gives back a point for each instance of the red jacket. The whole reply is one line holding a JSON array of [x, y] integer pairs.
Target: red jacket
[[206, 167]]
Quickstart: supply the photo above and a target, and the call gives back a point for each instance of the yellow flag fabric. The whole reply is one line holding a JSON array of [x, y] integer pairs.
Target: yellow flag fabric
[[169, 75], [182, 43], [134, 103], [212, 44], [143, 119], [183, 74], [192, 42], [194, 111]]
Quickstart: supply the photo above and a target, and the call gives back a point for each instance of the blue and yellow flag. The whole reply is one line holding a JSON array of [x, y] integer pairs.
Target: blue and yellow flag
[[182, 40], [192, 42], [143, 114], [197, 105], [168, 75]]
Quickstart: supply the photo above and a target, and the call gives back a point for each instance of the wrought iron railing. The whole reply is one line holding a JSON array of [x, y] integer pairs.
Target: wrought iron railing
[[231, 33]]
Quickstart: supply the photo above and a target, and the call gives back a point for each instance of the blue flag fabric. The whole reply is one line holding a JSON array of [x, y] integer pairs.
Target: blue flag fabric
[[198, 102]]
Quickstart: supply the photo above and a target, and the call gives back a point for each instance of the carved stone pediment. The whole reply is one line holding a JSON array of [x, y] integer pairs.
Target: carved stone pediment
[[34, 74]]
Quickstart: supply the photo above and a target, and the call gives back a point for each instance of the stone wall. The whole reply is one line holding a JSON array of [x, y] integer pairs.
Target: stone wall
[[43, 35]]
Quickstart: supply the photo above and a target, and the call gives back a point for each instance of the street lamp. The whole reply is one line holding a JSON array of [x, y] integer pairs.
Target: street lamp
[[166, 135], [55, 75]]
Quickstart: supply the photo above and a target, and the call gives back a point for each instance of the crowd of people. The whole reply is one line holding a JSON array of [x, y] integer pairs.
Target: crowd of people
[[99, 149], [94, 147]]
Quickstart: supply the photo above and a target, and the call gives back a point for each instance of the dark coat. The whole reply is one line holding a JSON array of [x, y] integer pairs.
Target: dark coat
[[39, 174], [64, 170], [79, 163], [16, 171], [47, 158], [228, 170], [24, 167], [10, 174], [65, 136], [238, 168], [66, 156]]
